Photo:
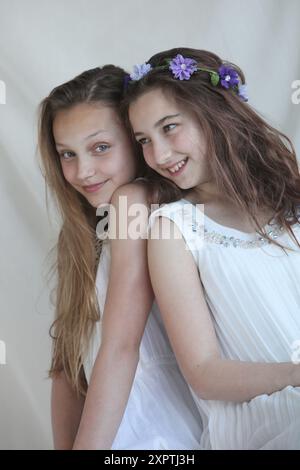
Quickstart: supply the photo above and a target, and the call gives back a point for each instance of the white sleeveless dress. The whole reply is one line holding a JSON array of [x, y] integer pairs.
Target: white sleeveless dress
[[253, 291], [160, 413]]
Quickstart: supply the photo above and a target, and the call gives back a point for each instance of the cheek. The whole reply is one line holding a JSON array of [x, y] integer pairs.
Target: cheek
[[181, 140], [68, 172], [130, 168], [148, 155], [124, 167], [197, 140]]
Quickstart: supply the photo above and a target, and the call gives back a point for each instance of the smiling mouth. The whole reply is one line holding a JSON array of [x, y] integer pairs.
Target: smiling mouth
[[175, 169], [93, 187]]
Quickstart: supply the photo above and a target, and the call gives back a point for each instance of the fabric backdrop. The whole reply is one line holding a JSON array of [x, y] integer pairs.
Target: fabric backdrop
[[46, 42]]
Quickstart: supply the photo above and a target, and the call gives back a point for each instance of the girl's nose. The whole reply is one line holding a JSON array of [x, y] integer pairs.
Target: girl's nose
[[162, 154], [85, 169]]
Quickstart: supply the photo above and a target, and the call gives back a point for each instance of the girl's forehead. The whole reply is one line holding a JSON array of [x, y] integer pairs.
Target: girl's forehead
[[153, 102], [85, 120], [153, 107], [86, 112], [156, 94]]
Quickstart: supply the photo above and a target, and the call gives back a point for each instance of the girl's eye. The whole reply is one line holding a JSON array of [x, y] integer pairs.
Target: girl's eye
[[101, 148], [66, 155], [143, 141], [169, 127]]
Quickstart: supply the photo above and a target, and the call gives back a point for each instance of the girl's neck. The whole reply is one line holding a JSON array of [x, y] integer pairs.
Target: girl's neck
[[223, 211], [206, 193]]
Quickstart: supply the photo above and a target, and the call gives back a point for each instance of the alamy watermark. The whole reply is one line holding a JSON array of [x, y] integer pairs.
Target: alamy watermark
[[296, 94], [131, 222], [295, 356], [2, 92], [2, 353]]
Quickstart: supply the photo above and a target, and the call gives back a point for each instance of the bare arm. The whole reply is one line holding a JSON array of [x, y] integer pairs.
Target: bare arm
[[180, 296], [66, 409], [128, 302]]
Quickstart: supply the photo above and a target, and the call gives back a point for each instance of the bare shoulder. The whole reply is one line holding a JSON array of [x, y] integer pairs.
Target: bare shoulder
[[129, 213], [135, 192]]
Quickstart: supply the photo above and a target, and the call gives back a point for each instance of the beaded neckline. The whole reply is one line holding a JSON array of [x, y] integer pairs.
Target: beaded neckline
[[213, 237], [246, 240]]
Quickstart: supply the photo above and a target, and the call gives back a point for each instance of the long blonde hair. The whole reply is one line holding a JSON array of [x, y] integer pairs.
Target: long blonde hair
[[76, 302]]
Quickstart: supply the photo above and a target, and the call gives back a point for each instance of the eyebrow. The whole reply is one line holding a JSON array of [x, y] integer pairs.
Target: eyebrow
[[159, 122], [86, 138]]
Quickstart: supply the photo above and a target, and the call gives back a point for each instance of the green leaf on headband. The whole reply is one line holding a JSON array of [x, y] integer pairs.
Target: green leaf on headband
[[214, 78]]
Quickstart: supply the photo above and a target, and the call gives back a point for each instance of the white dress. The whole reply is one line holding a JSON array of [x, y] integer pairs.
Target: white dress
[[160, 413], [253, 291]]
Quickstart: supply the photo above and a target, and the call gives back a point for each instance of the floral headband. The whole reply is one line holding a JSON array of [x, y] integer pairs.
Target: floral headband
[[184, 67]]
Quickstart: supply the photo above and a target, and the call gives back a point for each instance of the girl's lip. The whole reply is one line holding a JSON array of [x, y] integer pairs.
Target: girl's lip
[[93, 187], [180, 169]]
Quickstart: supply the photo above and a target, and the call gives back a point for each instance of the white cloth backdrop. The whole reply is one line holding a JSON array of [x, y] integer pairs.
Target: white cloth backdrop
[[46, 42]]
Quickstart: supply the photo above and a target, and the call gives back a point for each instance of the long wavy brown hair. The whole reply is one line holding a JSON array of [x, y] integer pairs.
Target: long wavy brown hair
[[252, 163], [75, 295]]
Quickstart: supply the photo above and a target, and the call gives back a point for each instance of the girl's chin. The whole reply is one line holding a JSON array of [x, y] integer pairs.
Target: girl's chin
[[183, 185], [94, 202]]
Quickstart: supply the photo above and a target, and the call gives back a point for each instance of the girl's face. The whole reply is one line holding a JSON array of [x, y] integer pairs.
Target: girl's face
[[95, 151], [172, 141]]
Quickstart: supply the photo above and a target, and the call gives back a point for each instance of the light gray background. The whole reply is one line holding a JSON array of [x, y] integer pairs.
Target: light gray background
[[46, 42]]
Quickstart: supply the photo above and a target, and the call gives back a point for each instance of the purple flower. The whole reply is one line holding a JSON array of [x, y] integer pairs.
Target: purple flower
[[229, 77], [139, 71], [242, 92], [182, 67], [126, 80]]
